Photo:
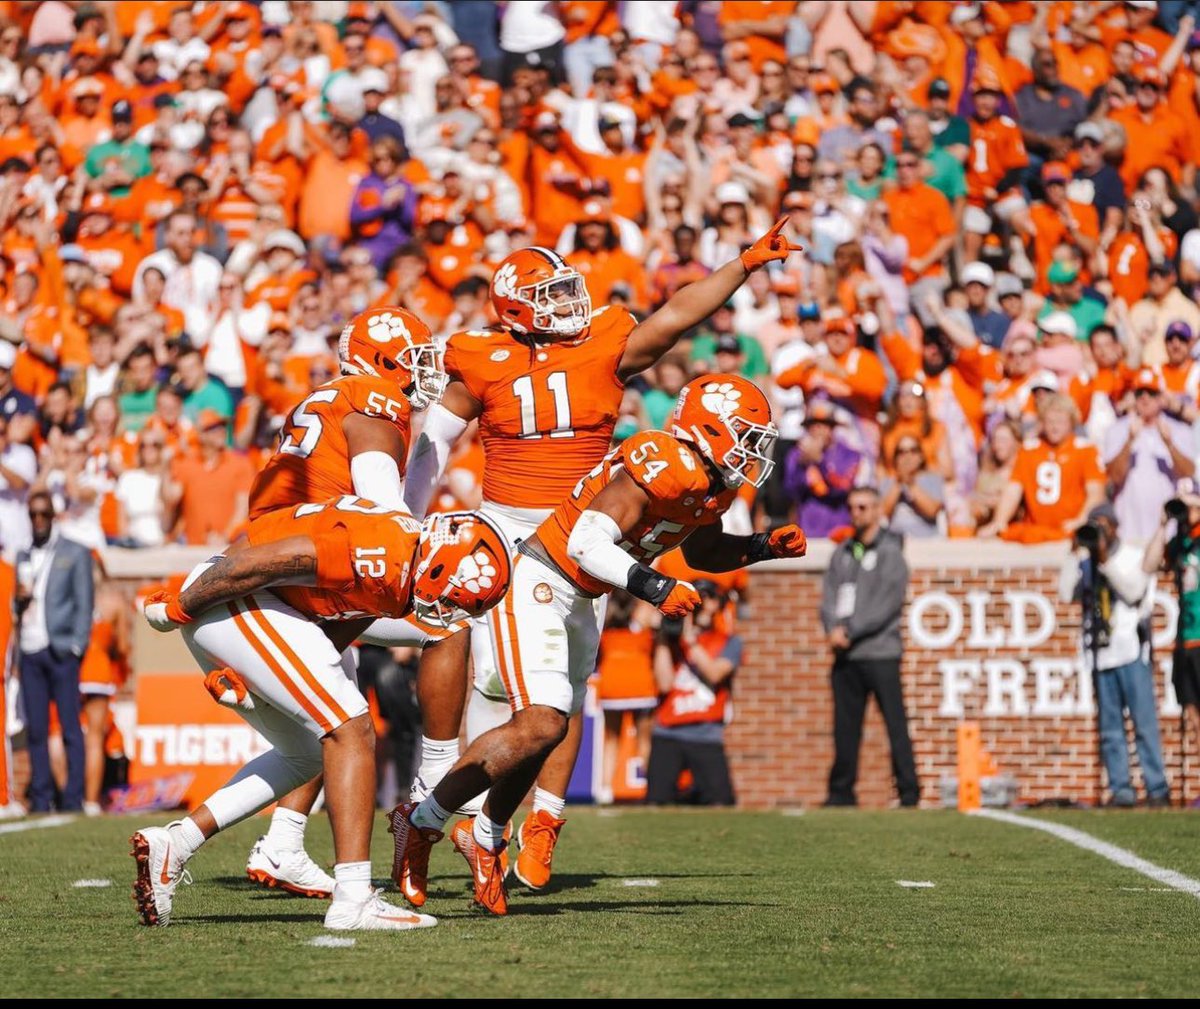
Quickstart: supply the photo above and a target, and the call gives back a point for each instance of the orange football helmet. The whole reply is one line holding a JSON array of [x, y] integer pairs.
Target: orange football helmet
[[536, 291], [728, 419], [463, 568], [391, 342]]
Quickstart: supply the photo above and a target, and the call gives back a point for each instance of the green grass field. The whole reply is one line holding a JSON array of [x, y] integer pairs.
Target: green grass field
[[745, 904]]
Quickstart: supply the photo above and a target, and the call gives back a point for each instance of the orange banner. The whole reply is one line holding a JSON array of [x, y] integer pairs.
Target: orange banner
[[180, 728]]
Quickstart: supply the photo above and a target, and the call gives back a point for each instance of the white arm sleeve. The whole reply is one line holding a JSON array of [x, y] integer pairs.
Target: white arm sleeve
[[376, 476], [593, 546], [428, 457]]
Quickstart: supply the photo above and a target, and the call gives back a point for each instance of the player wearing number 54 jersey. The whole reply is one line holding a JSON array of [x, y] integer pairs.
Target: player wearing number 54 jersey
[[653, 493], [546, 387], [1058, 477], [252, 620]]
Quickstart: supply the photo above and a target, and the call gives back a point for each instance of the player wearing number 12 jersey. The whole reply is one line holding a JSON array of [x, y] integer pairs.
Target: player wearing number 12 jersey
[[349, 436], [654, 492], [546, 387], [1058, 477], [252, 619]]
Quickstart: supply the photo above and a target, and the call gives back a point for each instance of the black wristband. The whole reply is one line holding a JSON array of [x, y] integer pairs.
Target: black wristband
[[759, 549], [646, 583]]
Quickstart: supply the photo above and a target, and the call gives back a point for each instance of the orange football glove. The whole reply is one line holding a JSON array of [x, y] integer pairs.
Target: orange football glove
[[787, 541], [681, 600], [773, 245], [163, 611], [228, 689]]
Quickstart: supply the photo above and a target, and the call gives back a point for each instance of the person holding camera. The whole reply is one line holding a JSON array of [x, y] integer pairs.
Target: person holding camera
[[694, 662], [861, 604], [1145, 453], [1179, 554], [1110, 581]]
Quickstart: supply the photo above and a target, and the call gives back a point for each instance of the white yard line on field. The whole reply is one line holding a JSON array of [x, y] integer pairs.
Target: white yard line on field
[[1121, 856], [47, 821]]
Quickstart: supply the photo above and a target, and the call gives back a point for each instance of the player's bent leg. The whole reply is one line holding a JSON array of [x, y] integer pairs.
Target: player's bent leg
[[539, 834], [278, 859], [442, 684]]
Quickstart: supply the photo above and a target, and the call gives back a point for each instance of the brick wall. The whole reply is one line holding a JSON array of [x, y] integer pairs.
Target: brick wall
[[1032, 703]]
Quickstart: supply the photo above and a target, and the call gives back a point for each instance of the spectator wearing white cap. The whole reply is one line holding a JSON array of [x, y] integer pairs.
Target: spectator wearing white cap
[[979, 280], [1060, 351], [731, 232], [374, 123], [1146, 453]]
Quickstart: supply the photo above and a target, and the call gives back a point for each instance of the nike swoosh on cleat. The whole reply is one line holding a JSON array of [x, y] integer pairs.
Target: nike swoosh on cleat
[[271, 860], [165, 876]]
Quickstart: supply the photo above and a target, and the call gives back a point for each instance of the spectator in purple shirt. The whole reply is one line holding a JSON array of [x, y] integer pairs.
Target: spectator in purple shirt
[[820, 472], [384, 205]]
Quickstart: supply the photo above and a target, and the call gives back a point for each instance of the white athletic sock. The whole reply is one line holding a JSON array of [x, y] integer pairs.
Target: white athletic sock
[[186, 837], [287, 830], [488, 833], [548, 802], [438, 751], [429, 813], [352, 881]]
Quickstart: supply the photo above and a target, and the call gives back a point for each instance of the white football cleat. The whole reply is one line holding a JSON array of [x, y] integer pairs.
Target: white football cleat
[[373, 914], [292, 871], [159, 871], [422, 789]]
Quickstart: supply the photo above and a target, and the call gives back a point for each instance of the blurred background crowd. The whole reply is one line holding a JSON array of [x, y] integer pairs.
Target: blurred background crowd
[[994, 322]]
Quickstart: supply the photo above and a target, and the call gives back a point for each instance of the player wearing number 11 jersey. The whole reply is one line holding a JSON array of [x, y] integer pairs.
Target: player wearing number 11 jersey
[[546, 387]]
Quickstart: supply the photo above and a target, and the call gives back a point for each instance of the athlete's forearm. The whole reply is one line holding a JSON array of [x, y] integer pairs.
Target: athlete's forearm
[[427, 461], [723, 552], [249, 570]]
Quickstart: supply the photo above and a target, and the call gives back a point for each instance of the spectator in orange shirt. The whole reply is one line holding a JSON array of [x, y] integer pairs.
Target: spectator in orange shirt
[[1058, 478], [480, 95], [111, 250], [847, 374], [555, 180], [994, 167], [1102, 390], [1142, 243], [208, 495], [604, 264], [284, 256], [922, 215], [1083, 63], [87, 121], [1154, 135], [1058, 219]]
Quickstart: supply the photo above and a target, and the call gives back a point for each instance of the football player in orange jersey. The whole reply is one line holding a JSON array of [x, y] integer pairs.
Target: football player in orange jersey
[[546, 387], [1058, 477], [256, 609], [349, 436], [654, 492]]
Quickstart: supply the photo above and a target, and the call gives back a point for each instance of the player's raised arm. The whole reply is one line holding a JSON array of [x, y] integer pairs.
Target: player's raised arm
[[292, 561], [445, 423], [658, 334], [615, 511]]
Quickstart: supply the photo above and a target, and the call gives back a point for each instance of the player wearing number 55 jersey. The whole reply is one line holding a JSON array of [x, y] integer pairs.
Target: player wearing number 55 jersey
[[546, 388], [349, 436], [655, 492], [1058, 478], [250, 619]]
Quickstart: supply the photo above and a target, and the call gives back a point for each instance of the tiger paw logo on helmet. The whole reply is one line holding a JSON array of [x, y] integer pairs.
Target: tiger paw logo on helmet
[[385, 327], [504, 282], [720, 398], [475, 572]]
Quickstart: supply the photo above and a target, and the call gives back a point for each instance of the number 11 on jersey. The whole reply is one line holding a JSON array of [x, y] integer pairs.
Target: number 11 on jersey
[[527, 396]]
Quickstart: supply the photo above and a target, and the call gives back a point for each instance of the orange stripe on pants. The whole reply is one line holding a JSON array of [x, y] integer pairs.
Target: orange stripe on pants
[[501, 664], [511, 617], [277, 669], [305, 673]]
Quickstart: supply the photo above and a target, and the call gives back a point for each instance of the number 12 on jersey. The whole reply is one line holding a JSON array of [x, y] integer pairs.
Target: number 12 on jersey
[[527, 396]]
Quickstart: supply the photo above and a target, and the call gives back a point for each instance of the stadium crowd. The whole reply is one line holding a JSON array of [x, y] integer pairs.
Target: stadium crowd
[[994, 323]]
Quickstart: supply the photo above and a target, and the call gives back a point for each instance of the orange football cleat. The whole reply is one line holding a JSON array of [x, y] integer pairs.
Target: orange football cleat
[[536, 840], [487, 868], [410, 858]]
